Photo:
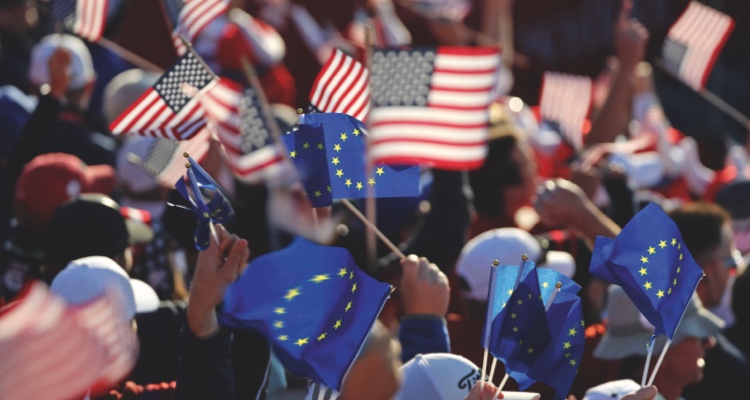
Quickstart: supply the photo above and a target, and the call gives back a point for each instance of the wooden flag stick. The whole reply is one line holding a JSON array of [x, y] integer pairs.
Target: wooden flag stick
[[558, 288], [370, 209], [129, 56], [648, 360], [492, 370], [715, 100], [372, 228], [658, 363]]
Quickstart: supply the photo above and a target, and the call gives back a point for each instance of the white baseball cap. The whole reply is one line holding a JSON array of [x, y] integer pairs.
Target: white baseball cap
[[505, 245], [611, 390], [81, 67], [87, 278]]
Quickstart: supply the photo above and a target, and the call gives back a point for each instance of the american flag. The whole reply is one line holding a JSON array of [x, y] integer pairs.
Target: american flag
[[342, 87], [168, 109], [243, 129], [431, 105], [84, 18], [693, 43], [48, 354], [565, 101], [164, 159], [189, 17]]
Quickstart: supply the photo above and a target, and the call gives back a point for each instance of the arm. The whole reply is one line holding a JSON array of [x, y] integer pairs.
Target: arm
[[424, 293], [205, 365]]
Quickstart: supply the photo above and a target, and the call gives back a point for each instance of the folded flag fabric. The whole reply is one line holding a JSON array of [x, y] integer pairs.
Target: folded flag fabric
[[164, 161], [218, 208], [190, 17], [84, 18], [558, 363], [313, 304], [328, 150], [650, 262], [342, 86], [565, 102]]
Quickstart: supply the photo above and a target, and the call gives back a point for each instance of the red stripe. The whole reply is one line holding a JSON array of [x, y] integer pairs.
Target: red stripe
[[438, 162], [457, 107], [488, 71], [255, 168], [322, 72], [715, 53], [468, 51], [129, 110], [351, 85], [486, 89], [428, 124], [406, 140], [330, 88]]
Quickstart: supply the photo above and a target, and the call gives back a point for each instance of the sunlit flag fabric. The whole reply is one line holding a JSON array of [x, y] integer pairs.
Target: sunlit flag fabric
[[189, 17], [169, 108], [693, 43], [328, 150], [164, 161], [84, 18], [49, 354], [565, 101], [650, 262], [218, 208], [243, 129], [312, 302], [558, 363], [430, 106], [342, 87]]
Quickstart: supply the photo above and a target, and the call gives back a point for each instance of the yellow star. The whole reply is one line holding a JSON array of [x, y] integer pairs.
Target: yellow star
[[674, 281], [679, 269], [359, 186], [337, 147], [662, 243], [510, 291], [582, 324], [674, 241], [342, 272], [354, 288], [566, 345], [339, 173], [356, 132], [283, 338], [572, 332], [379, 171], [515, 329], [328, 189], [370, 181], [573, 363], [567, 354], [644, 259], [679, 246], [531, 350], [335, 161], [351, 275], [320, 278], [529, 296], [343, 137], [292, 293], [278, 324], [337, 324], [317, 193], [647, 285], [660, 294], [680, 256], [643, 271], [348, 306], [292, 154], [519, 302], [322, 336], [320, 146], [545, 285], [513, 316], [651, 250], [669, 291], [300, 342], [520, 342], [306, 145], [348, 182], [279, 311]]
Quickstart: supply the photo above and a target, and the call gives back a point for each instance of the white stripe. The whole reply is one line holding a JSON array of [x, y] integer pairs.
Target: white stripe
[[325, 78], [335, 80], [458, 81], [416, 131], [417, 114], [352, 90], [467, 62], [135, 113], [459, 99], [428, 151]]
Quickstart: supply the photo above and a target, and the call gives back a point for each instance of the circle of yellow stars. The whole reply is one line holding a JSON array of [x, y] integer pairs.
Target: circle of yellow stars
[[643, 271], [293, 293]]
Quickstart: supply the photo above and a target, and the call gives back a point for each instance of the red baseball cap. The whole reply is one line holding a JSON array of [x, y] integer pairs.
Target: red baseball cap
[[50, 180]]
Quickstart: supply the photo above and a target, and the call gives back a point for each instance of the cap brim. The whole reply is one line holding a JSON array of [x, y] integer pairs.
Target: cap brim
[[702, 324], [100, 179], [618, 347], [520, 396], [146, 299], [138, 231], [561, 262]]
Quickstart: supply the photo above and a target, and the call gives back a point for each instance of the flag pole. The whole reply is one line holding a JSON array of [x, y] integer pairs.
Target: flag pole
[[492, 369], [488, 321], [658, 363], [520, 270], [210, 222], [715, 100], [129, 56], [648, 359], [372, 228], [558, 288], [501, 386], [370, 209]]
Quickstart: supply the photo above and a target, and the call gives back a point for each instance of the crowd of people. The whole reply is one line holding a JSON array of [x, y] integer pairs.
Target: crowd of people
[[79, 214]]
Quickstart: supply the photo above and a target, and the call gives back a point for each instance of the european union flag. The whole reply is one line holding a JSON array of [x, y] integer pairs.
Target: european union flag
[[557, 364], [520, 331], [313, 304], [217, 209], [328, 150], [502, 282], [649, 261]]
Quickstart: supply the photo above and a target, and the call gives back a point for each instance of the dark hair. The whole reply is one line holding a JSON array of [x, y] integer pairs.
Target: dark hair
[[499, 171], [700, 225]]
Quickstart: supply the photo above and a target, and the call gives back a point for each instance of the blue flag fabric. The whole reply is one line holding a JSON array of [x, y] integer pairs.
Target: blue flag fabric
[[558, 363], [650, 262], [328, 150], [313, 304], [218, 209], [502, 280]]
